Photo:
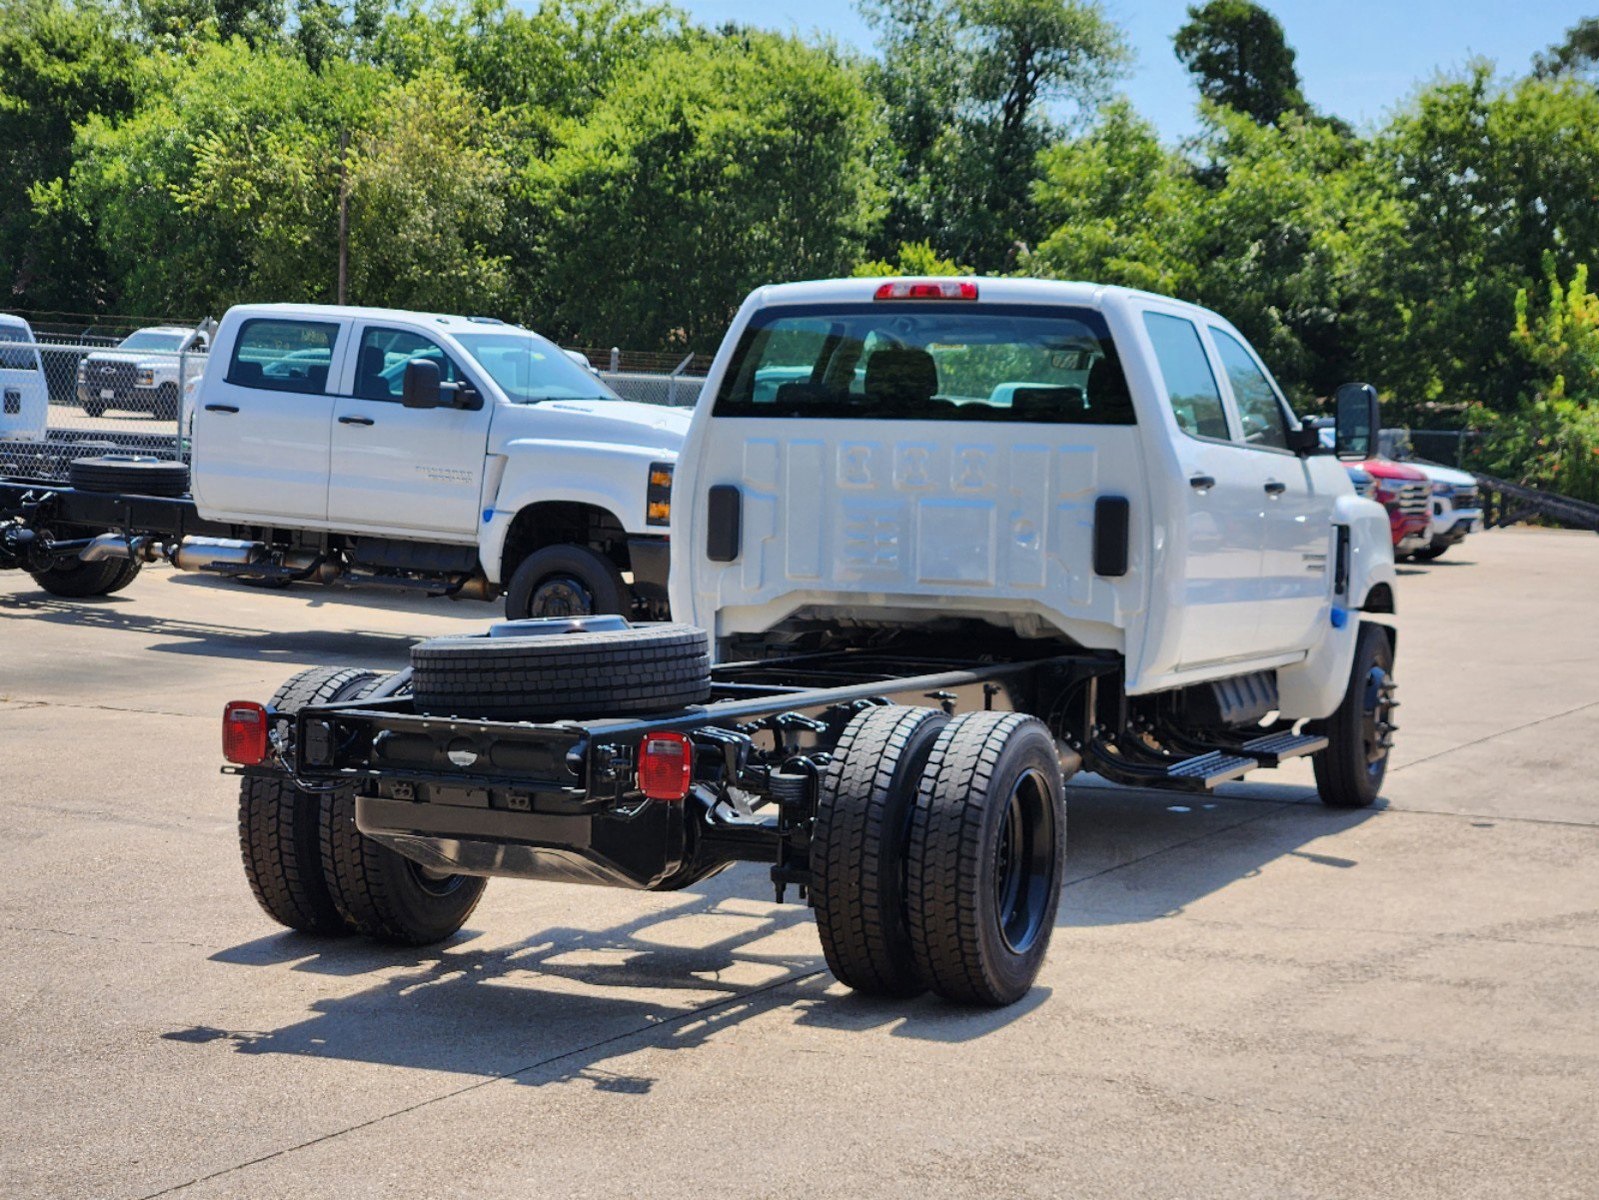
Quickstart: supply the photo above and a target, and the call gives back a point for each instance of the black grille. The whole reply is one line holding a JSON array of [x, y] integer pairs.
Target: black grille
[[116, 375]]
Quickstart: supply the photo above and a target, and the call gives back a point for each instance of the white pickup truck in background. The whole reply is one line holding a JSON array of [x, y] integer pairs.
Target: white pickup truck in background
[[458, 455], [145, 372], [24, 395]]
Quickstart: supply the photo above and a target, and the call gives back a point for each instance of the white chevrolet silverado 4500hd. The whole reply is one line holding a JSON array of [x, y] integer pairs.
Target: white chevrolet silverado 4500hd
[[937, 545], [371, 446]]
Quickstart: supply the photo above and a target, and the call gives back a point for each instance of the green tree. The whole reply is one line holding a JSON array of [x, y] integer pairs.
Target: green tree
[[1239, 56], [427, 190], [1489, 177], [183, 25], [1551, 439], [59, 63], [1576, 54], [229, 166], [734, 161], [971, 92], [1281, 239]]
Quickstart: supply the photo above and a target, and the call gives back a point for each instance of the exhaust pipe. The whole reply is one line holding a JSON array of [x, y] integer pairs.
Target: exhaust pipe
[[112, 545]]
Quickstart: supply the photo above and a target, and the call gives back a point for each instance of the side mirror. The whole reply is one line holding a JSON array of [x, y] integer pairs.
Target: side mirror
[[1356, 420], [1306, 440], [419, 386]]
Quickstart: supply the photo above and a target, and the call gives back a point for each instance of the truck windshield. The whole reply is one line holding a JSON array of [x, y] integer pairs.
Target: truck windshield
[[147, 339], [530, 369], [931, 362]]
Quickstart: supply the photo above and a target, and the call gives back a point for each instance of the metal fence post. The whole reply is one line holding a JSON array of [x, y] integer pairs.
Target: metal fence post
[[671, 385], [183, 379], [616, 360]]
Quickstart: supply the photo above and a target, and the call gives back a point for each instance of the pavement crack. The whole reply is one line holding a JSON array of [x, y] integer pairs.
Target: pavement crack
[[1416, 762], [649, 1027], [153, 712], [106, 937]]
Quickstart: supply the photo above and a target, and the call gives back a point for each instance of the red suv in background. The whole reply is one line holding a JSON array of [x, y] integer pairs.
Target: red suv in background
[[1407, 495]]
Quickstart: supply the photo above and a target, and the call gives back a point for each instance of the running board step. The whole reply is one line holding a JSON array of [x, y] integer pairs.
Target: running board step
[[1272, 749], [1207, 770]]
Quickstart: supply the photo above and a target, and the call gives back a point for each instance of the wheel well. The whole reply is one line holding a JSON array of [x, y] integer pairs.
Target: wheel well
[[1379, 600], [562, 523]]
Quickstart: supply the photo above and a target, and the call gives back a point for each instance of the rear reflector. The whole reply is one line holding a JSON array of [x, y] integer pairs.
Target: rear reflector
[[665, 766], [244, 733], [927, 289]]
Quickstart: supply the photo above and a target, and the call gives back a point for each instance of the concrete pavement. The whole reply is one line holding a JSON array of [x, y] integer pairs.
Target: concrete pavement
[[1248, 995]]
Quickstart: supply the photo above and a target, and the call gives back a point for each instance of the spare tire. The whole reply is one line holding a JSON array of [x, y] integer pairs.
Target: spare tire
[[139, 474], [522, 672]]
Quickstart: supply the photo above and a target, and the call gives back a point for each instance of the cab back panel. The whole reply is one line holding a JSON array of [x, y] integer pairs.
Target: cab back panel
[[844, 515]]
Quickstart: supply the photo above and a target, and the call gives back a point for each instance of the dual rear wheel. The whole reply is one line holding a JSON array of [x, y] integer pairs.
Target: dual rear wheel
[[938, 853], [312, 870]]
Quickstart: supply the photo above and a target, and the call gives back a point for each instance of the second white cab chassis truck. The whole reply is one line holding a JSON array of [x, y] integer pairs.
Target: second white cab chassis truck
[[937, 545], [375, 447]]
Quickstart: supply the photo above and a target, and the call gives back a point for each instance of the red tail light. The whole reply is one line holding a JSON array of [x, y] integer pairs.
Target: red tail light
[[244, 733], [665, 766], [927, 289]]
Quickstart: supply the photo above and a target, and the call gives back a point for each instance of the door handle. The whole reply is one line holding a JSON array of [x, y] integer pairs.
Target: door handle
[[355, 421], [1273, 488], [222, 408], [1202, 483]]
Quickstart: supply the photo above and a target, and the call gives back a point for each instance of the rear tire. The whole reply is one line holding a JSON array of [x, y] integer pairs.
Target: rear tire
[[382, 893], [566, 581], [857, 851], [1350, 771], [77, 580], [280, 826], [987, 851], [1428, 553]]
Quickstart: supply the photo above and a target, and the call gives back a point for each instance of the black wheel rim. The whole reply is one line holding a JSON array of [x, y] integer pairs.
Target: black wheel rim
[[1024, 862], [435, 883], [561, 596], [1377, 705]]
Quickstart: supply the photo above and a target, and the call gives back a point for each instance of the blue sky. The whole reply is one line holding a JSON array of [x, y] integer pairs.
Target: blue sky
[[1358, 58]]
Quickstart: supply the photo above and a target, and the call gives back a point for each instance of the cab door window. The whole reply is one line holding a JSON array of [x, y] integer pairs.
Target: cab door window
[[1190, 385], [380, 362], [1261, 415], [276, 355]]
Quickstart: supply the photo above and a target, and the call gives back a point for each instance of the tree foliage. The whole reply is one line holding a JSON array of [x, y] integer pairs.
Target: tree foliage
[[1239, 57], [736, 160], [972, 91]]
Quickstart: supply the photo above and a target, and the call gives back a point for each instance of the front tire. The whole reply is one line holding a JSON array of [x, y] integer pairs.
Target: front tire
[[1428, 553], [280, 826], [165, 406], [566, 581], [863, 815], [987, 852], [1350, 771]]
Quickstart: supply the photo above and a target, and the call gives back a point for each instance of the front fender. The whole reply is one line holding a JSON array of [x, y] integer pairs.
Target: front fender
[[600, 474], [1371, 548]]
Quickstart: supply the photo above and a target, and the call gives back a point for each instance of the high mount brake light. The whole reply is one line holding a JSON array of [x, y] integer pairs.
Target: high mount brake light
[[927, 289], [665, 765], [244, 733]]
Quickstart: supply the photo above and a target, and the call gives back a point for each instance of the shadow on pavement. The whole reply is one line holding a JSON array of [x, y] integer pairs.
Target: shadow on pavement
[[558, 1004], [1137, 855], [337, 646], [315, 595]]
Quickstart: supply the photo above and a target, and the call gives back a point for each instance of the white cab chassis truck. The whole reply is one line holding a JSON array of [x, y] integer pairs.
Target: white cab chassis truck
[[937, 546], [360, 446]]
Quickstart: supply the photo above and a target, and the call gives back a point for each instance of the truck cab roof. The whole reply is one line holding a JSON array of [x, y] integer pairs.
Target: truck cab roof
[[448, 322]]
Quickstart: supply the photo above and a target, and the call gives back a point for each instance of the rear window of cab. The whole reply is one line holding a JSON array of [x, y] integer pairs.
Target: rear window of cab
[[932, 361]]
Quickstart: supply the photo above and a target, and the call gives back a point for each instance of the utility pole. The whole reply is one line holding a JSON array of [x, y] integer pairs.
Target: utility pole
[[344, 221]]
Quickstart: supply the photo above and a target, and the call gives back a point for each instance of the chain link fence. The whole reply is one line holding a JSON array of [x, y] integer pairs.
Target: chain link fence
[[119, 385]]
